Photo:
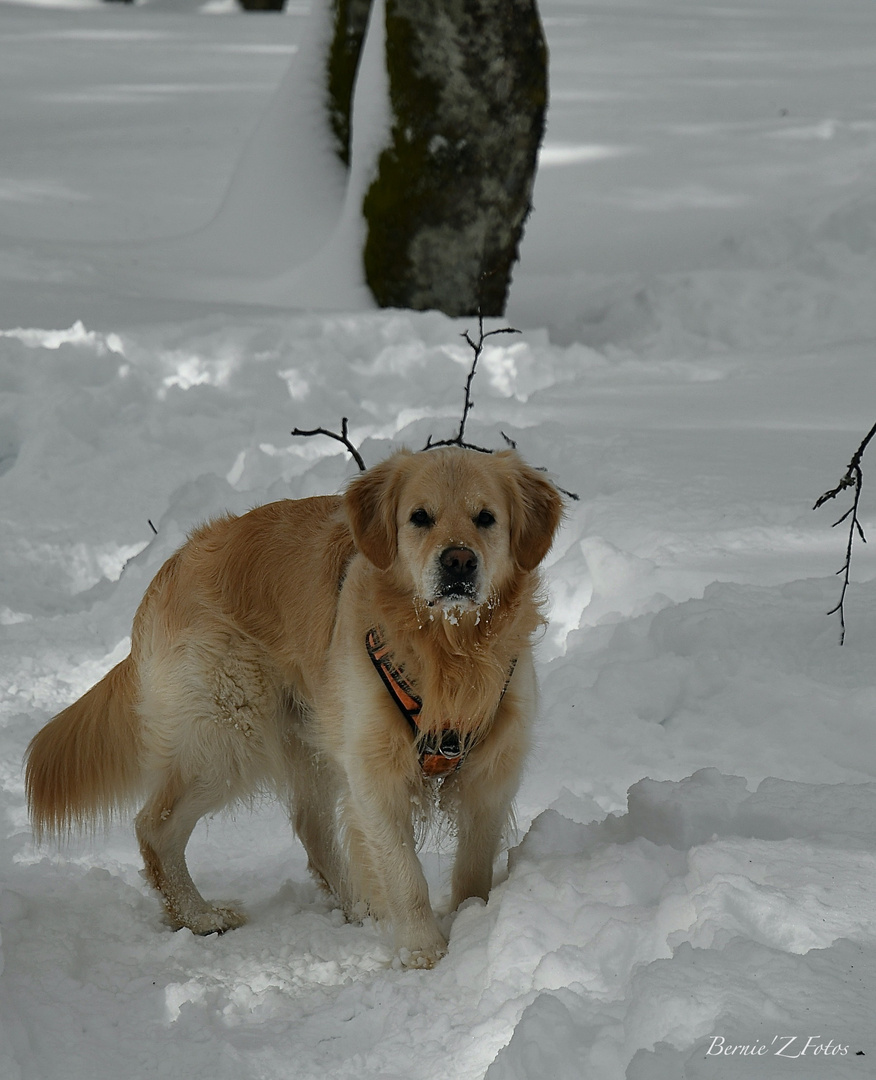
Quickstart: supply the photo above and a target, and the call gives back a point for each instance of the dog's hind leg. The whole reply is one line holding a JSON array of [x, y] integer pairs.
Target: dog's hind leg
[[211, 737], [163, 827]]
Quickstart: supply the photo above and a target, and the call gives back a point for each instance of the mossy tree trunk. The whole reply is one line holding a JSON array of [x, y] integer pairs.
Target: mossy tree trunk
[[349, 20], [468, 93]]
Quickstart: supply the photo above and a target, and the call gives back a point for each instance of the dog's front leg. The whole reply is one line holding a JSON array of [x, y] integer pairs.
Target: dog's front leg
[[483, 791], [483, 815], [392, 884]]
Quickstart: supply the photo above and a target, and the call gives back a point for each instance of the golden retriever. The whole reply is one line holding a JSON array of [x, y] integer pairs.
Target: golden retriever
[[361, 655]]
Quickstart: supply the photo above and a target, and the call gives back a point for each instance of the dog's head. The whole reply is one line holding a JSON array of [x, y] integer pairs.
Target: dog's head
[[457, 524]]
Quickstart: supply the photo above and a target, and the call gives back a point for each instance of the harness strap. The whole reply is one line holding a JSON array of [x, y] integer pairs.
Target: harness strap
[[441, 753]]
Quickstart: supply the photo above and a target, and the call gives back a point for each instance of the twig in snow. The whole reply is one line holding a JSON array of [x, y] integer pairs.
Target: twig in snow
[[477, 348], [341, 438], [853, 478]]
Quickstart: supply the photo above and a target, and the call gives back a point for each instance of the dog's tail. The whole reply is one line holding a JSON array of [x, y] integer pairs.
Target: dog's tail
[[83, 767]]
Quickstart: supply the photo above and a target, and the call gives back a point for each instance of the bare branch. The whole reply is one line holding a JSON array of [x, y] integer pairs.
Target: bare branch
[[853, 478], [569, 494], [477, 348], [341, 438]]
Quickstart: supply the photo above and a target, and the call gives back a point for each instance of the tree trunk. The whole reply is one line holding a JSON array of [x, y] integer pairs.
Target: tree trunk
[[262, 5], [445, 213]]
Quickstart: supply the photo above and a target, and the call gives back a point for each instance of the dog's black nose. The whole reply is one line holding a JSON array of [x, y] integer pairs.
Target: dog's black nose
[[459, 564]]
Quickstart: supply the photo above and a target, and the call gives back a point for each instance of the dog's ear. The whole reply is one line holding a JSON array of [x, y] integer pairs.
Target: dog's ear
[[371, 504], [536, 513]]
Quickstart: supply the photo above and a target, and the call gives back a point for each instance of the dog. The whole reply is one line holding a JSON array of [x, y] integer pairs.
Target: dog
[[360, 655]]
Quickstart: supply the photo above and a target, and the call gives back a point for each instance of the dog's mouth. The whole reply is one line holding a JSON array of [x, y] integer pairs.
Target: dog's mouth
[[454, 599], [459, 596], [458, 590]]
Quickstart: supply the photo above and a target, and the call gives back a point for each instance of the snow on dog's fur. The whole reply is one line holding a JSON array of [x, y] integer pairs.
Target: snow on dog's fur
[[249, 669]]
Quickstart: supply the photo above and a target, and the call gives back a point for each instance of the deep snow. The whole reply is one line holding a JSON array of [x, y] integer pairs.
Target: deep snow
[[696, 865]]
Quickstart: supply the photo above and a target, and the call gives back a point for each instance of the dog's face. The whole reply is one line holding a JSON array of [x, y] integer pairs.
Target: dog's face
[[456, 524]]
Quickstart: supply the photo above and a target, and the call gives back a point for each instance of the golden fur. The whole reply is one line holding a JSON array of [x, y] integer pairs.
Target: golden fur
[[248, 670]]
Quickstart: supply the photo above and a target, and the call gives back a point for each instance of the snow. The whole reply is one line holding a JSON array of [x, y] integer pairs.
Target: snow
[[693, 882]]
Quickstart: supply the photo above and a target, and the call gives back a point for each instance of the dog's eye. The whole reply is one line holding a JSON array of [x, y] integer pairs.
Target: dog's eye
[[485, 519], [421, 519]]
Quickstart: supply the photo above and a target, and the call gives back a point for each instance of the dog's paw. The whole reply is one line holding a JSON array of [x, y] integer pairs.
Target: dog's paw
[[215, 919], [424, 956], [419, 958]]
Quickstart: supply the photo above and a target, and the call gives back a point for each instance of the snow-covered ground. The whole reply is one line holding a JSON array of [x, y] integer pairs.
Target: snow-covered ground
[[696, 865]]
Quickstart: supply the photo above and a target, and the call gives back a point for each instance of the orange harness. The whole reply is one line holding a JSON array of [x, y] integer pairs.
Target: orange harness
[[440, 753]]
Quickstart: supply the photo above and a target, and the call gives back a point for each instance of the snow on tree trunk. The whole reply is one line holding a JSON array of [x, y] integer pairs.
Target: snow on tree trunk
[[288, 188], [445, 213]]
